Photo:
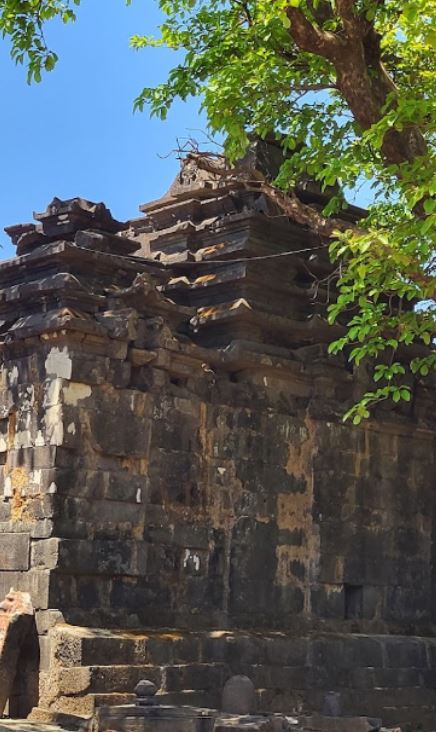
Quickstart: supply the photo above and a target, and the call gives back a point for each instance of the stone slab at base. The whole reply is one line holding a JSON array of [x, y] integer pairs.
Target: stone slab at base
[[20, 725], [192, 719], [388, 677], [321, 723]]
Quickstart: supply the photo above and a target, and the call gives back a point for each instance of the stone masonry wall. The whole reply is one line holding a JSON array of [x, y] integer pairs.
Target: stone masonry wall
[[240, 506]]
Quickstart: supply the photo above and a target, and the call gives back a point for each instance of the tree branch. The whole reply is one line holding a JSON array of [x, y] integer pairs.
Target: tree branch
[[288, 202], [312, 39], [305, 88], [353, 25]]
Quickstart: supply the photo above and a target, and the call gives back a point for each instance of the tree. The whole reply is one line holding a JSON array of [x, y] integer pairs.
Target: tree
[[348, 85]]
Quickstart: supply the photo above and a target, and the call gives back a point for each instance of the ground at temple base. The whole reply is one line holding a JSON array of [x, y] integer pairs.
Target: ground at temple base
[[21, 725]]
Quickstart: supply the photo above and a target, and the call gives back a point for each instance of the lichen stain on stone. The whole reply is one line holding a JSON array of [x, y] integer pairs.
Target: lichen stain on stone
[[137, 466], [205, 278], [285, 555], [12, 426], [12, 376], [19, 480], [295, 511], [54, 427], [59, 363], [362, 456], [74, 392], [52, 392], [203, 434], [299, 453]]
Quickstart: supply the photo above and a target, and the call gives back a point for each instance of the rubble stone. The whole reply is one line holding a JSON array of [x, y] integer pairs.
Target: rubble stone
[[19, 655]]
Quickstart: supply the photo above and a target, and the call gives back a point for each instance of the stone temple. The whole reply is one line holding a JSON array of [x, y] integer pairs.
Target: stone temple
[[179, 495]]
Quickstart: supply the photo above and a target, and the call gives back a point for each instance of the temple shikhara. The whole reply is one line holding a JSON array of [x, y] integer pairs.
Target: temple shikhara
[[180, 500]]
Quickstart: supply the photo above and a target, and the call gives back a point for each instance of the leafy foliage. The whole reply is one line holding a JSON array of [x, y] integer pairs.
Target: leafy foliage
[[351, 85], [23, 22]]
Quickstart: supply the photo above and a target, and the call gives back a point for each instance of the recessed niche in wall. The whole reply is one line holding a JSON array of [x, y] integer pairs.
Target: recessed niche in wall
[[353, 597]]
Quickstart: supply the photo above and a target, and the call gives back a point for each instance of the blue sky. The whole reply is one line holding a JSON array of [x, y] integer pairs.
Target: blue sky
[[75, 133]]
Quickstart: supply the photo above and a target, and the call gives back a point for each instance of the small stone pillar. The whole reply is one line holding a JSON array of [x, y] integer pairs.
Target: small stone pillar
[[239, 696]]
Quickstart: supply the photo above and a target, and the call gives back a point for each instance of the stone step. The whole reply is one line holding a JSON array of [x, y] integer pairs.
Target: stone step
[[43, 716], [83, 680], [19, 725], [75, 645], [373, 702], [84, 706], [191, 697], [196, 676], [410, 717], [191, 668], [105, 679]]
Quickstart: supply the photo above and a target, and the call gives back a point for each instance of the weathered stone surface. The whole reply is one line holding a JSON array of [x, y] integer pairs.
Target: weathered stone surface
[[14, 551]]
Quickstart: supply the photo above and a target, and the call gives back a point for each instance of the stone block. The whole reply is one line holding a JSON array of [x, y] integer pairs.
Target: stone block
[[214, 646], [34, 581], [366, 650], [364, 678], [174, 476], [193, 536], [328, 601], [118, 678], [288, 601], [44, 653], [195, 676], [47, 619], [126, 486], [5, 511], [45, 553], [160, 649], [92, 557], [286, 651], [176, 429], [402, 604], [32, 458], [73, 681], [253, 564], [405, 653], [398, 677], [330, 652], [291, 537], [75, 646], [187, 648], [14, 552], [281, 678], [78, 517]]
